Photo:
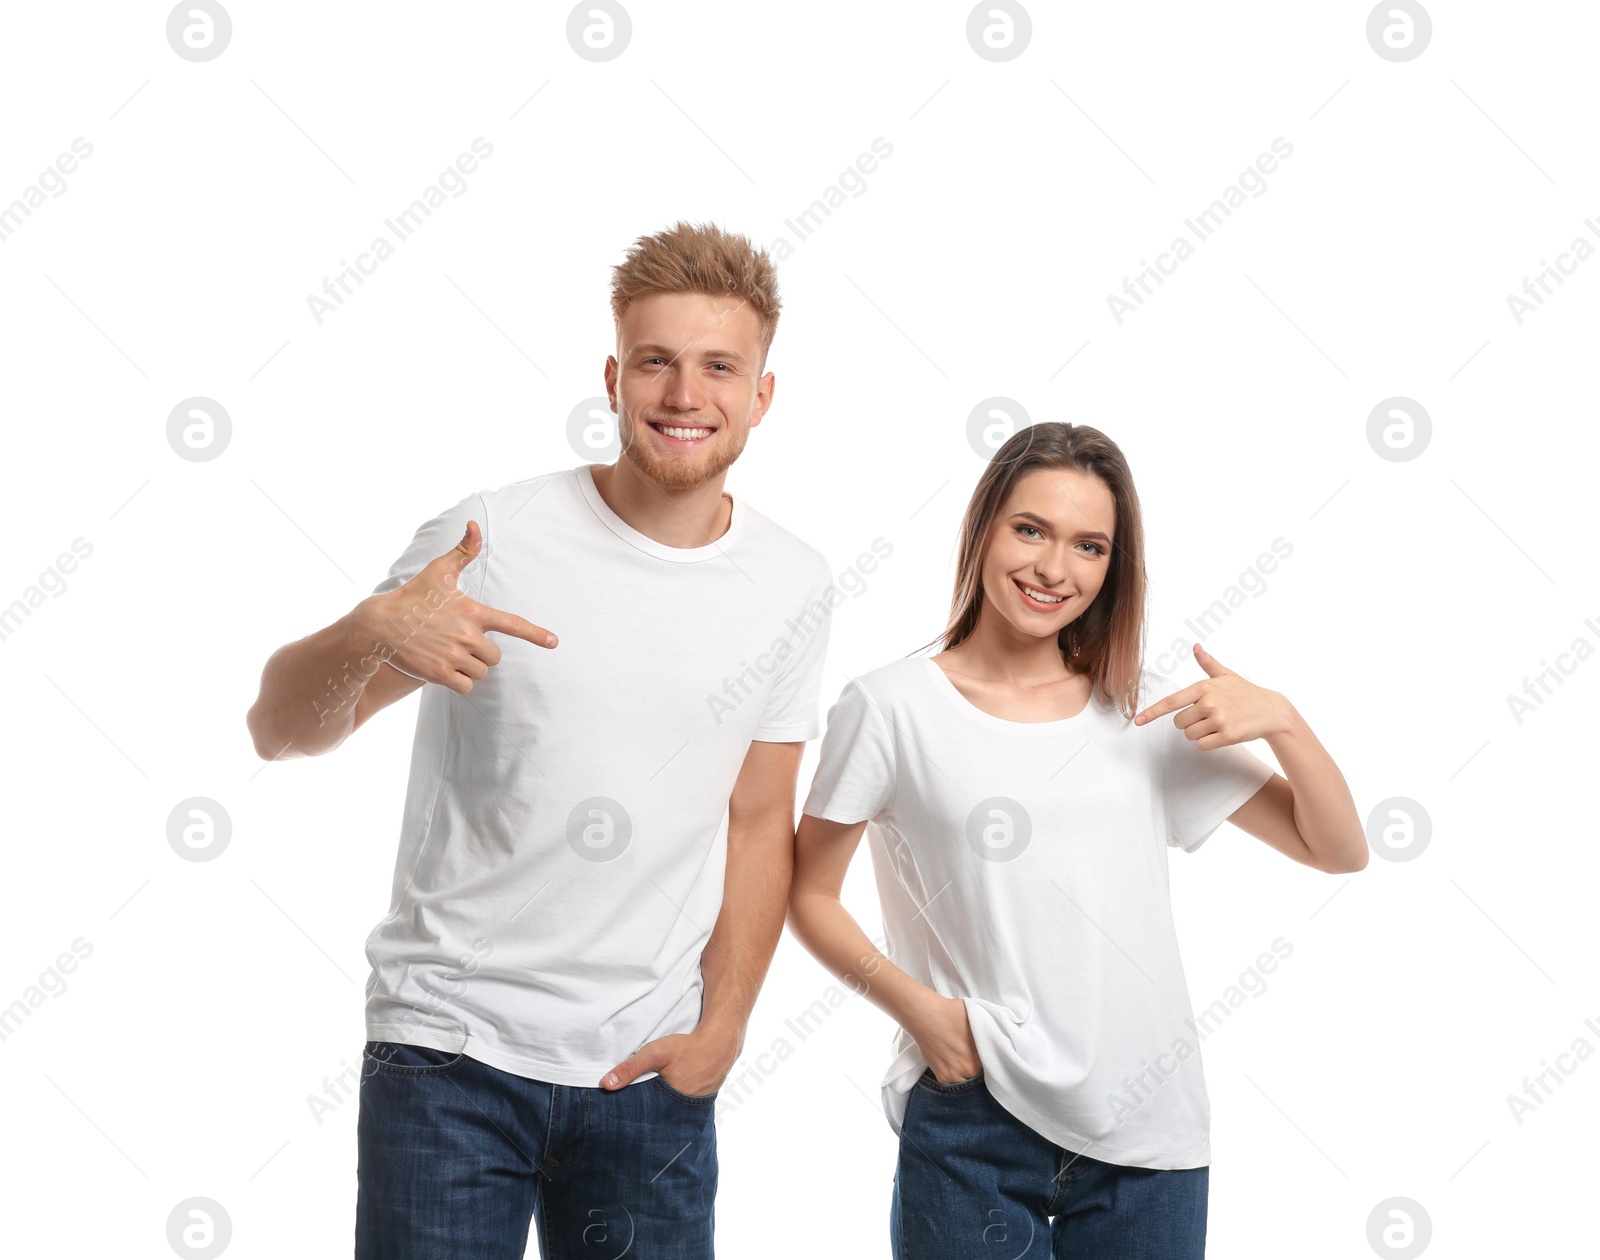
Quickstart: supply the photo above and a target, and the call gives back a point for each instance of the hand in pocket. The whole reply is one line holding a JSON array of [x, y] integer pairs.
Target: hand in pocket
[[946, 1042]]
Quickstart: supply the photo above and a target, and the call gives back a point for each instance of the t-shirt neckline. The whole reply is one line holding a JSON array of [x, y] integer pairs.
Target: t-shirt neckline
[[628, 534], [941, 683]]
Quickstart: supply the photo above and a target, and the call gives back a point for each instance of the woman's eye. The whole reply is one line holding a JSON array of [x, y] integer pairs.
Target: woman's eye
[[1034, 528]]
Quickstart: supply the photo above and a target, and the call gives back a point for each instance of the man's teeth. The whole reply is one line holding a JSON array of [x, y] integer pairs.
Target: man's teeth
[[1042, 597], [687, 435]]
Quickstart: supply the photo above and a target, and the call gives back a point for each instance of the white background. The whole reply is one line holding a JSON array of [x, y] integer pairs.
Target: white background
[[977, 262]]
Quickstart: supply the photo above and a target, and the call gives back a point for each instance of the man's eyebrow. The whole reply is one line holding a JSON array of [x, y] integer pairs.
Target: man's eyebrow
[[651, 347], [1082, 533]]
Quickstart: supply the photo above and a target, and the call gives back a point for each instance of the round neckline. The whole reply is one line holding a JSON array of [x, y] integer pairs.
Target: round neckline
[[941, 682], [631, 536]]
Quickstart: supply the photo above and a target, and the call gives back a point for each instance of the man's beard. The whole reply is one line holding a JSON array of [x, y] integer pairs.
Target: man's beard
[[679, 474]]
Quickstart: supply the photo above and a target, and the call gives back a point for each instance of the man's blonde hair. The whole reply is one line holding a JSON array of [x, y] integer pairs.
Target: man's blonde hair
[[700, 259]]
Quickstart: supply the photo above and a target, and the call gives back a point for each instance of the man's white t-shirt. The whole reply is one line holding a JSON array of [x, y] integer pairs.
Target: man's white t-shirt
[[564, 839], [1022, 867]]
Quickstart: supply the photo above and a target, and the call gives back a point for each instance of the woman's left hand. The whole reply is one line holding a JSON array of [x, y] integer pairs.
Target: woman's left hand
[[1224, 708]]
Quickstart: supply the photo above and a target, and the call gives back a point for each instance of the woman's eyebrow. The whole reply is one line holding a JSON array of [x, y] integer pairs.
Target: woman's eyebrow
[[1082, 533]]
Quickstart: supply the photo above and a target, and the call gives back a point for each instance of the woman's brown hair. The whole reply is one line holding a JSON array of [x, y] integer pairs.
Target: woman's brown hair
[[1106, 640]]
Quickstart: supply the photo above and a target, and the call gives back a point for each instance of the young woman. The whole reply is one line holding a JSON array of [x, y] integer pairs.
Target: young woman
[[1019, 791]]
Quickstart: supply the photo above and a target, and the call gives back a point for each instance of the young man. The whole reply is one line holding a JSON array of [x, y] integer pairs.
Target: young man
[[597, 842]]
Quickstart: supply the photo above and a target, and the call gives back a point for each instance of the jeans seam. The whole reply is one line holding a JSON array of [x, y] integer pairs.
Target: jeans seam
[[952, 1087], [1063, 1162], [583, 1138], [1055, 1197], [413, 1069], [546, 1247], [550, 1128], [694, 1100]]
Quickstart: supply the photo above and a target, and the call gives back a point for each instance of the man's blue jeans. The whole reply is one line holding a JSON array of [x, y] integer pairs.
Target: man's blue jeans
[[974, 1181], [455, 1157]]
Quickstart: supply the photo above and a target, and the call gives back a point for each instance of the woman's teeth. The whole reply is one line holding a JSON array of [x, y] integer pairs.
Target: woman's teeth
[[1042, 597]]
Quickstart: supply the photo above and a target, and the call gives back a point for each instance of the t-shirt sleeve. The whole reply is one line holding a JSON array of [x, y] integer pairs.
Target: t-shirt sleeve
[[855, 773], [1202, 786], [791, 712], [435, 537]]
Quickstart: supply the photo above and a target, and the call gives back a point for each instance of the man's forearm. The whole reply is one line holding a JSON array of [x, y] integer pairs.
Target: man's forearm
[[754, 900], [309, 688]]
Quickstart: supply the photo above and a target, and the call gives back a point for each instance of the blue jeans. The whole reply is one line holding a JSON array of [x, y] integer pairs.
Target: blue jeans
[[974, 1181], [455, 1157]]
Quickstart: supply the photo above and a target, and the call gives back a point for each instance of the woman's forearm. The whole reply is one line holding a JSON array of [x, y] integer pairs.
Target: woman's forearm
[[1325, 814], [836, 940]]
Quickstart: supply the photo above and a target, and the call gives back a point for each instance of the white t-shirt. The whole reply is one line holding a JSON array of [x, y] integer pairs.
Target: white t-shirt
[[1022, 867], [564, 839]]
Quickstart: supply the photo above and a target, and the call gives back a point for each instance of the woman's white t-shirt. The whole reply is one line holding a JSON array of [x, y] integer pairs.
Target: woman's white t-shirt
[[1022, 867]]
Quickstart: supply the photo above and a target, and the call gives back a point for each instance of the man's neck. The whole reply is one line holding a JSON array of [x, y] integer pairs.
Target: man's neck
[[694, 517]]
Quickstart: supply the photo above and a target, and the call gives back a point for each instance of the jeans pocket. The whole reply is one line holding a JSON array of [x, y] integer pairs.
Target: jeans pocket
[[683, 1097], [399, 1058], [948, 1087]]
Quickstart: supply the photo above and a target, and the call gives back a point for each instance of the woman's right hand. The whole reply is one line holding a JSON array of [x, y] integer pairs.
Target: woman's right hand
[[945, 1039]]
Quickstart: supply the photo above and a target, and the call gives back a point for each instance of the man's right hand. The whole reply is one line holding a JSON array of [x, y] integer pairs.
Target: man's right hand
[[437, 634]]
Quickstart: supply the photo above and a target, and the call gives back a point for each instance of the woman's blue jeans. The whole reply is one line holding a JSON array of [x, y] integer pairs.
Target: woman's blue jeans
[[974, 1181], [455, 1157]]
